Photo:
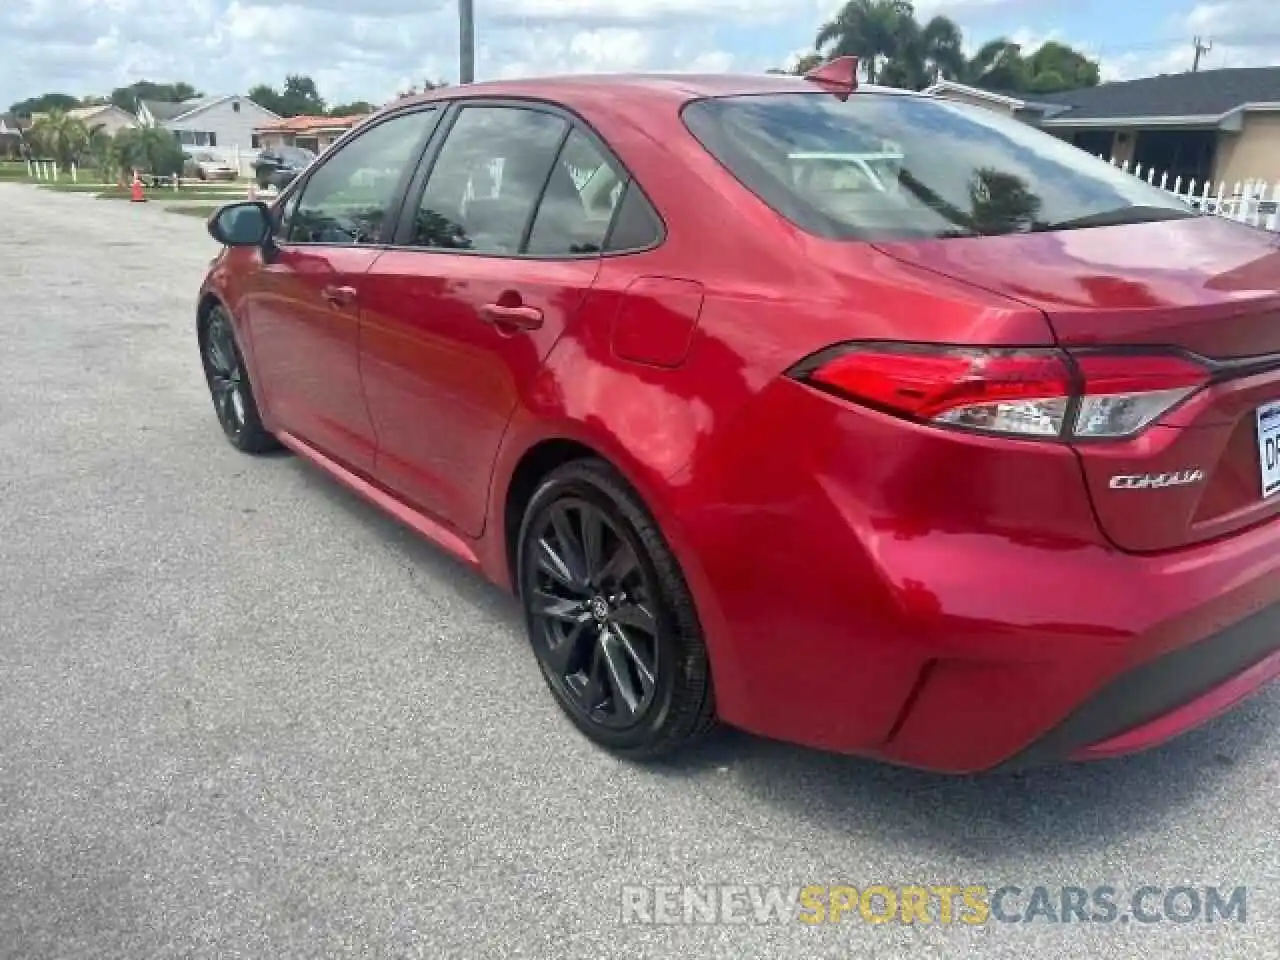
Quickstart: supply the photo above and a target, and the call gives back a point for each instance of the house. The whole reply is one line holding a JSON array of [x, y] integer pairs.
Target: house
[[106, 117], [1223, 125], [310, 133], [221, 125]]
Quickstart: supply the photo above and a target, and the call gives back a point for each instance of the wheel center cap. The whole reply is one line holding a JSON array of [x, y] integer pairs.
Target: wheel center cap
[[599, 608]]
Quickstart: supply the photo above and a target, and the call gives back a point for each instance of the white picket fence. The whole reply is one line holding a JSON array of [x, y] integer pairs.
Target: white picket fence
[[1255, 202]]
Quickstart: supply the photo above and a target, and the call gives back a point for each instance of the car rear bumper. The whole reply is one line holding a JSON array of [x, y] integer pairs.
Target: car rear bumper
[[889, 590], [1166, 697]]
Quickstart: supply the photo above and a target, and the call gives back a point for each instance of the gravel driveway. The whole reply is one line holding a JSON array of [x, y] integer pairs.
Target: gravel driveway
[[242, 714]]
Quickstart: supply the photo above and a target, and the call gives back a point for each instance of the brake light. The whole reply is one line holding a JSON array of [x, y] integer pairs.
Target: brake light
[[1019, 392]]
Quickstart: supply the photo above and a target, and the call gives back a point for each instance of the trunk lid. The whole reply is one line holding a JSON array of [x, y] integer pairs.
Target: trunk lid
[[1211, 466]]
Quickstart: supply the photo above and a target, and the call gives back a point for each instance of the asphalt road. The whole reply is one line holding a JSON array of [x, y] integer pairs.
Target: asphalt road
[[242, 714]]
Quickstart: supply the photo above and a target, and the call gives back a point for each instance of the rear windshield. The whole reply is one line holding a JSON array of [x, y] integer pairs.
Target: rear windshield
[[886, 166]]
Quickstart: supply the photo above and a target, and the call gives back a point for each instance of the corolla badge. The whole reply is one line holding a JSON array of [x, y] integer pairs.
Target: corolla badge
[[1156, 481]]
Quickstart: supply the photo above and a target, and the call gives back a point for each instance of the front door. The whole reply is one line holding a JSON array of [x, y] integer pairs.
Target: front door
[[498, 254], [303, 305]]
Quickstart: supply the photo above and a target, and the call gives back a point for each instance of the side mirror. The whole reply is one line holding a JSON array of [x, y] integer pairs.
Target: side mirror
[[245, 224]]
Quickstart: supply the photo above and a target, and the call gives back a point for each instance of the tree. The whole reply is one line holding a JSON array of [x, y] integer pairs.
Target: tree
[[1000, 65], [871, 30], [353, 109], [298, 98], [45, 103], [148, 149], [1055, 66], [60, 136], [941, 50], [126, 98]]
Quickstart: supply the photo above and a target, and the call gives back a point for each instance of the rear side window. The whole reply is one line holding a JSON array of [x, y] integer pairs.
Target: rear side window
[[637, 226], [577, 206], [483, 187], [884, 166]]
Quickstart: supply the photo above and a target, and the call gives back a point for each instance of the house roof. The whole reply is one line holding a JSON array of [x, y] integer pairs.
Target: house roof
[[86, 113], [163, 110], [1208, 95], [166, 112], [309, 124]]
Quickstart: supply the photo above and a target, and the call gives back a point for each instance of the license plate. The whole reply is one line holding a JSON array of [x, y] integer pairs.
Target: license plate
[[1269, 447]]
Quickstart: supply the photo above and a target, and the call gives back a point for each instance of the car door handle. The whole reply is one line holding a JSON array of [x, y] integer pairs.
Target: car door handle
[[339, 296], [512, 318]]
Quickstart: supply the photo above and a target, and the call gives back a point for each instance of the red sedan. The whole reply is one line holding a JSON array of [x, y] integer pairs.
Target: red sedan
[[853, 417]]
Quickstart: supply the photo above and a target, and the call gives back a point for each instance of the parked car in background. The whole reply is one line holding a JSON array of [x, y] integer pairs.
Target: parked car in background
[[278, 166], [849, 416], [208, 166]]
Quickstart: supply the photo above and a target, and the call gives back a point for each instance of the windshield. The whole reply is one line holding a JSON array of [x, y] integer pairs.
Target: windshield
[[886, 166]]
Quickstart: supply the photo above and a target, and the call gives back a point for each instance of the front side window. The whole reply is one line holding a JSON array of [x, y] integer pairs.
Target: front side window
[[483, 186], [886, 166], [347, 200]]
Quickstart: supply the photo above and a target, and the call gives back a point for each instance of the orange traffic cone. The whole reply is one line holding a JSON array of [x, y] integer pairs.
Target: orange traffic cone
[[136, 192]]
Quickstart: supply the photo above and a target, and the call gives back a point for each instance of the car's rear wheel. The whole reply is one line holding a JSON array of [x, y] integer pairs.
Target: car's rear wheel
[[229, 385], [609, 615]]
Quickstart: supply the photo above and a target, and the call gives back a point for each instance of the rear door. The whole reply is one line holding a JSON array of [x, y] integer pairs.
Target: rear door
[[303, 303], [497, 248]]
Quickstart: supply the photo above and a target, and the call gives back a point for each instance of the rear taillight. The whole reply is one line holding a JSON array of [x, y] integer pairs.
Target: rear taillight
[[1022, 392], [1124, 392]]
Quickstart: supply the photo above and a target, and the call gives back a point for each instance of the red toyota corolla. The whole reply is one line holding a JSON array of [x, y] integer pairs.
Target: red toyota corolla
[[857, 418]]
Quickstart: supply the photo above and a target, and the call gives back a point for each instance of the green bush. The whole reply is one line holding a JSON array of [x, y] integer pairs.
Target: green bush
[[149, 150]]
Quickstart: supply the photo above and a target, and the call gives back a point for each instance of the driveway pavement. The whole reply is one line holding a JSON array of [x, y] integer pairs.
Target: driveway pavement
[[242, 714]]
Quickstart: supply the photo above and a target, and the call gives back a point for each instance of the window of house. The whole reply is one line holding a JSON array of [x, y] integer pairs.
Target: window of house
[[197, 138], [487, 178], [347, 199], [255, 142]]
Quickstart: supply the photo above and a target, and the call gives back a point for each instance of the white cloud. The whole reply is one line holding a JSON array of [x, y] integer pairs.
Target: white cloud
[[368, 49]]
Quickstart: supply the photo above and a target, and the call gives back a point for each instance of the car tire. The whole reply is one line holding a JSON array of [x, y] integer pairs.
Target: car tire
[[610, 617], [229, 385]]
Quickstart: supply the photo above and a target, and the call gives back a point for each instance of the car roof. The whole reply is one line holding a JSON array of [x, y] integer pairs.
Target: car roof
[[640, 88]]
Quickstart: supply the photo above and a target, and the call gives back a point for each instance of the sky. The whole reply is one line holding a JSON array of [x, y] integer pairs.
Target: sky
[[372, 49]]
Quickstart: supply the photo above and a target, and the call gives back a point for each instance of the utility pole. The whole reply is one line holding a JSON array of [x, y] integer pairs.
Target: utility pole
[[1201, 48], [466, 41]]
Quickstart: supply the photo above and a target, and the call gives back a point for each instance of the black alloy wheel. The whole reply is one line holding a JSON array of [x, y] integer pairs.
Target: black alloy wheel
[[609, 616], [229, 385]]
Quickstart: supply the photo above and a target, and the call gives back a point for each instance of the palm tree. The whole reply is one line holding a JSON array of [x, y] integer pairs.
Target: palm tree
[[60, 136], [925, 54], [869, 30], [942, 50]]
